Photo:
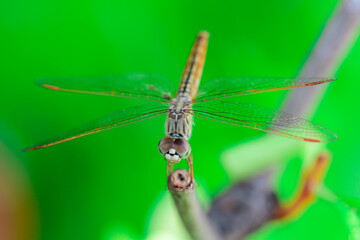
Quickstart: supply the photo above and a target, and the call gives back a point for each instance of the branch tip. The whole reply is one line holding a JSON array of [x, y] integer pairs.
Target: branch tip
[[180, 179]]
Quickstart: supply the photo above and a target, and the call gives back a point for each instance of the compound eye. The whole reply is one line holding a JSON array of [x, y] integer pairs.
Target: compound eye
[[165, 144], [182, 147]]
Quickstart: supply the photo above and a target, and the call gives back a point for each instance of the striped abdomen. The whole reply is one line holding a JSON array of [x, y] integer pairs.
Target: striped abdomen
[[191, 76]]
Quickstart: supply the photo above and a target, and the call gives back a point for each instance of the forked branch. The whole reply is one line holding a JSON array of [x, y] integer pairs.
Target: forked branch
[[324, 60]]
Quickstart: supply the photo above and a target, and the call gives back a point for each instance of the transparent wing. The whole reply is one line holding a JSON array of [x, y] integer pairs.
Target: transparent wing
[[264, 119], [140, 86], [222, 88], [113, 120]]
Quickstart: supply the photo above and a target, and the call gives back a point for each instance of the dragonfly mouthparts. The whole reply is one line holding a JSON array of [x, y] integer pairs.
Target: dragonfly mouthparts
[[172, 156]]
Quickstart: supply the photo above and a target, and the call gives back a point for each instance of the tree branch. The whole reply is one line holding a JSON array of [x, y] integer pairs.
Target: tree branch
[[332, 47], [257, 199], [329, 52], [245, 207]]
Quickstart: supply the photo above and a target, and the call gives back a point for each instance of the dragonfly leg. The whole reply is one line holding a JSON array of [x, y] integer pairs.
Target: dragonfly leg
[[306, 193], [190, 164], [169, 169]]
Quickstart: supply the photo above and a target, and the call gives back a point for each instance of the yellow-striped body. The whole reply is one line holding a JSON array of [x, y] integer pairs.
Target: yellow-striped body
[[179, 122], [191, 76]]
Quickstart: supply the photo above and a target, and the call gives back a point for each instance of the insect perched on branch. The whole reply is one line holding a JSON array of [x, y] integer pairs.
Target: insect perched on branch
[[189, 102]]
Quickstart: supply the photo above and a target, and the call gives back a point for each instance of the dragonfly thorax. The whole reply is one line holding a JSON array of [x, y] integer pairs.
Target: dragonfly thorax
[[179, 122]]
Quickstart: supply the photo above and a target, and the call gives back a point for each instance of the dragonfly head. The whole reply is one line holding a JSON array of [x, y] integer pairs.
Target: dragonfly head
[[174, 149]]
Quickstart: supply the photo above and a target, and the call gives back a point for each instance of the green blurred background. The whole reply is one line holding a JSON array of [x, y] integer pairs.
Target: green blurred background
[[105, 186]]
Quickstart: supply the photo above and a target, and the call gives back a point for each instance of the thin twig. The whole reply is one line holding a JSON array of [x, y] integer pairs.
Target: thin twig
[[193, 216]]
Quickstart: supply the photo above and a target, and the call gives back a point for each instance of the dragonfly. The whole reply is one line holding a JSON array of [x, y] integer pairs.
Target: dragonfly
[[189, 102]]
